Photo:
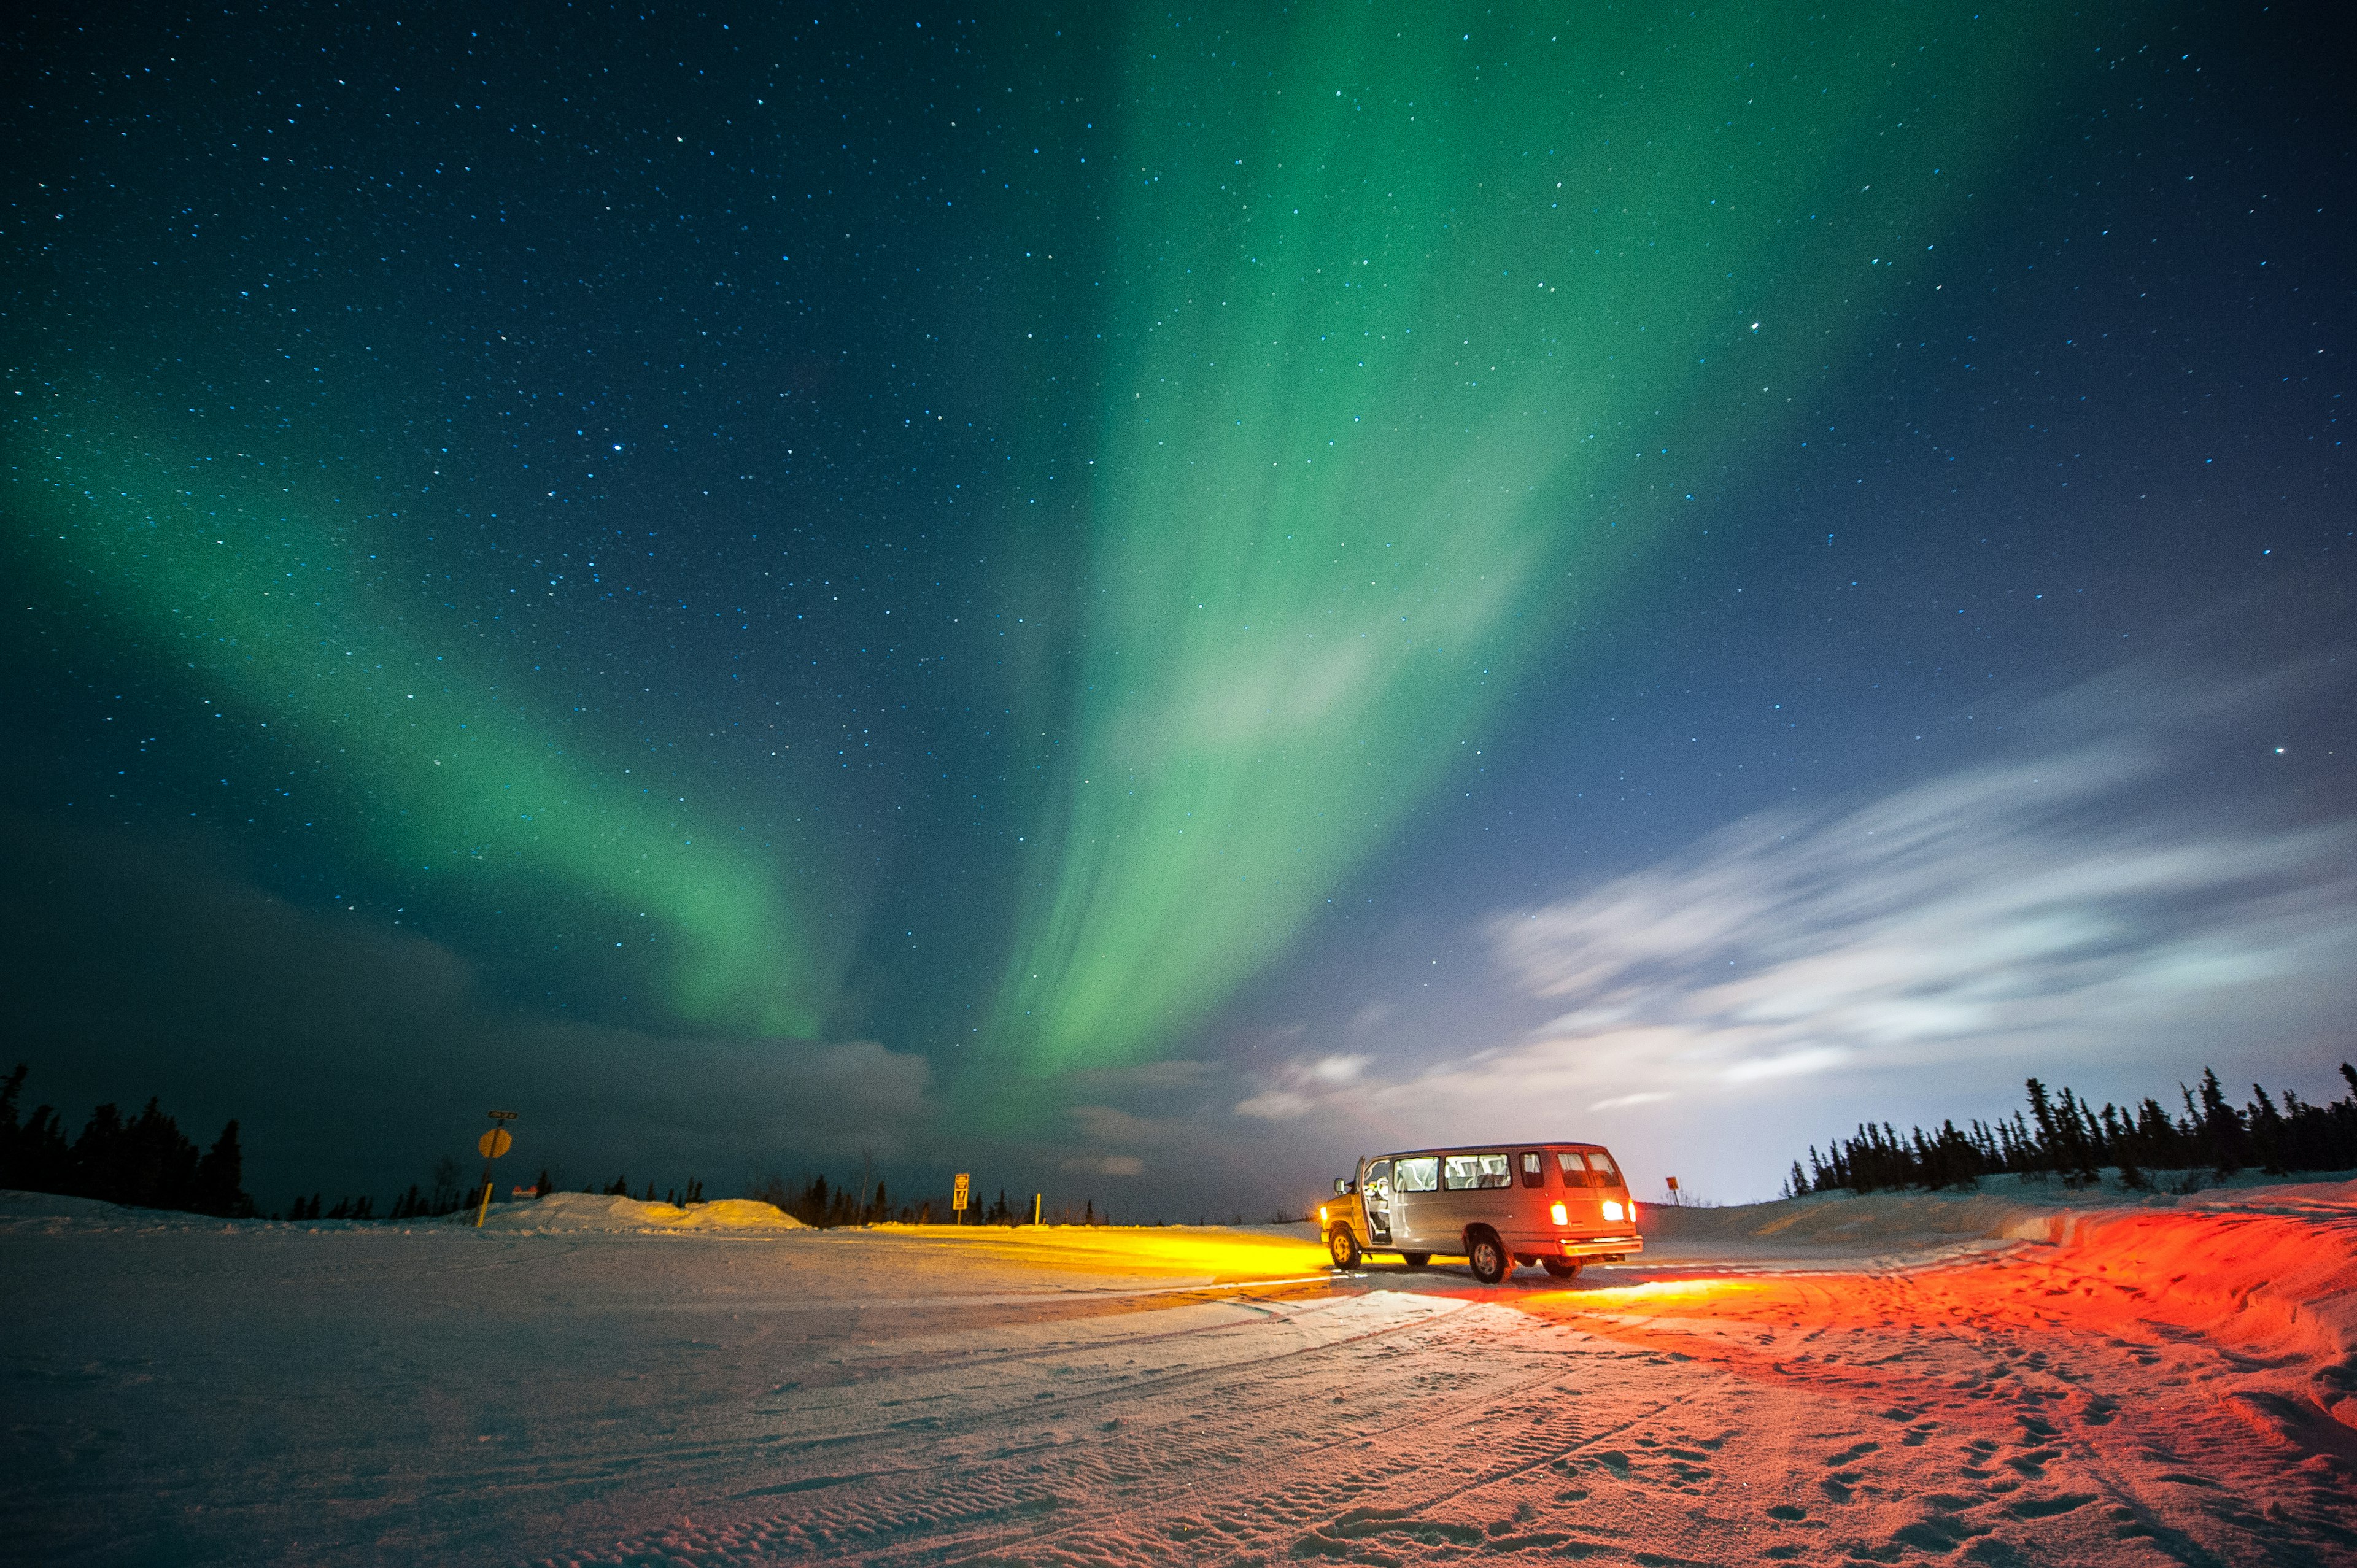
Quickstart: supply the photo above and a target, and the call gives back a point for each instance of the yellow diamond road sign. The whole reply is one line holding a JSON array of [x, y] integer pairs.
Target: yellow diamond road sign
[[495, 1142]]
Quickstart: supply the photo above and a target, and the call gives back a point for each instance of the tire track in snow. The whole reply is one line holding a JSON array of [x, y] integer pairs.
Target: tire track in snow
[[1011, 1515], [1165, 1389]]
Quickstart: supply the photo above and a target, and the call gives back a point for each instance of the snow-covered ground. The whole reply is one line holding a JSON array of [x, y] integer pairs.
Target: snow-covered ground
[[2014, 1377]]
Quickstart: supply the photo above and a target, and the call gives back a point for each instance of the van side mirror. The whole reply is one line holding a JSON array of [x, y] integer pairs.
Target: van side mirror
[[1342, 1186]]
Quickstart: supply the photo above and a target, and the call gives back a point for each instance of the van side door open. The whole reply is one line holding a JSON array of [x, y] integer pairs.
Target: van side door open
[[1376, 1191], [1415, 1183]]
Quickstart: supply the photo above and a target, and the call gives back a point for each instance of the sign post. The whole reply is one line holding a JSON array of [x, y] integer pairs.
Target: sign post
[[493, 1143], [961, 1187]]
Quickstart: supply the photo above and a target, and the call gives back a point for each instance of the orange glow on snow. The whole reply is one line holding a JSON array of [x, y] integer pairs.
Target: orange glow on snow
[[1661, 1293], [2269, 1287], [1219, 1255]]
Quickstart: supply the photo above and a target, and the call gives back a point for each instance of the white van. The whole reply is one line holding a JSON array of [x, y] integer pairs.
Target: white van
[[1556, 1205]]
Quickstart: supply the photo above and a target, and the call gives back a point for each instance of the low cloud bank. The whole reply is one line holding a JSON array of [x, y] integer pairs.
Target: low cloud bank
[[2082, 902], [357, 1053]]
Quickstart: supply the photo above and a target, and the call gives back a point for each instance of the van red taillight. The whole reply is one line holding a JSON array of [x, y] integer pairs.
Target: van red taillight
[[1562, 1215], [1612, 1209]]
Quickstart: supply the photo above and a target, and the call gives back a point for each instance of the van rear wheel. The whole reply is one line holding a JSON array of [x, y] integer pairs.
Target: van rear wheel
[[1489, 1257], [1561, 1268], [1343, 1247]]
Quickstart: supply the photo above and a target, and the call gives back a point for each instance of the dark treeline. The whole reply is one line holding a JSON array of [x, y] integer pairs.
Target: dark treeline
[[2063, 1137], [813, 1202], [144, 1160], [451, 1192], [817, 1203], [620, 1187]]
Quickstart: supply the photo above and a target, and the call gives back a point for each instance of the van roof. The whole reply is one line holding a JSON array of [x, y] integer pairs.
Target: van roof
[[1488, 1149]]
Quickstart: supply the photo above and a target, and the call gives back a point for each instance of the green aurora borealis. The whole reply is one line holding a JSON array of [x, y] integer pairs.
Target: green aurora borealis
[[1419, 337], [289, 622], [1413, 337]]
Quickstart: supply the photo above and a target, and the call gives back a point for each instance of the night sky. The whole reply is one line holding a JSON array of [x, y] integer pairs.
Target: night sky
[[1143, 603]]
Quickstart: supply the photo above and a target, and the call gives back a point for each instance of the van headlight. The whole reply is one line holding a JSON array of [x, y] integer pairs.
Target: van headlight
[[1561, 1215], [1612, 1210], [1321, 1214]]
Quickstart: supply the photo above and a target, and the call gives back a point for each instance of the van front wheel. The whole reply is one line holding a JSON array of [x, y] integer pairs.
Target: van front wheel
[[1489, 1257], [1343, 1247]]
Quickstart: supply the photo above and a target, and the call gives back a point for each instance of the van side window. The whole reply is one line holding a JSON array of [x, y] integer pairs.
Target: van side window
[[1534, 1170], [1605, 1169], [1379, 1179], [1415, 1175], [1575, 1169], [1459, 1173]]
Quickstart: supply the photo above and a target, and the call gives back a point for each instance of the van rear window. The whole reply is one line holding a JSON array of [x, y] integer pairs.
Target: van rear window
[[1575, 1169], [1415, 1175], [1605, 1169], [1459, 1173]]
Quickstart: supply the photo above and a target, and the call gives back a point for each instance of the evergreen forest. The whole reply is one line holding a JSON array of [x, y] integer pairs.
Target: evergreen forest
[[143, 1160], [2062, 1137]]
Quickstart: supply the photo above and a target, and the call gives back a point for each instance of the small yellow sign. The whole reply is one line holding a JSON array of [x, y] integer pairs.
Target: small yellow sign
[[960, 1188], [495, 1142]]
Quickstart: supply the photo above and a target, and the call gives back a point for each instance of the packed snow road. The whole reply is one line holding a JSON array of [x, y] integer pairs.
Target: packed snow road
[[1825, 1385]]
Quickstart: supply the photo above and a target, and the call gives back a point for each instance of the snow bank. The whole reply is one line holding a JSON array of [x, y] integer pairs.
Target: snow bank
[[596, 1211], [2277, 1285], [14, 1205], [52, 1212], [41, 1205], [2002, 1208], [2270, 1270]]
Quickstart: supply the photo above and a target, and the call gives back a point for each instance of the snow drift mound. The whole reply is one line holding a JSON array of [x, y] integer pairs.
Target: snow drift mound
[[596, 1211], [53, 1212], [2274, 1282], [2270, 1270], [1876, 1220]]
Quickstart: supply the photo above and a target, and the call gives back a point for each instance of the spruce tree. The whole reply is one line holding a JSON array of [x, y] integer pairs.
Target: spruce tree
[[2222, 1126], [220, 1178], [2050, 1141], [2267, 1132]]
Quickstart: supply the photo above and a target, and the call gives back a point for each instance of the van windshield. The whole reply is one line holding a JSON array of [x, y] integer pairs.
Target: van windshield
[[1461, 1172]]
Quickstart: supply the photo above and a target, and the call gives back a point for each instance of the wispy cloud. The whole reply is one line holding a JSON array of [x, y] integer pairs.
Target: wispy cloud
[[1301, 1085], [2065, 906], [1107, 1165]]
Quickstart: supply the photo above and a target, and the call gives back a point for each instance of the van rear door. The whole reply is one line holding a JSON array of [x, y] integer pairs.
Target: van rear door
[[1581, 1201], [1612, 1189]]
